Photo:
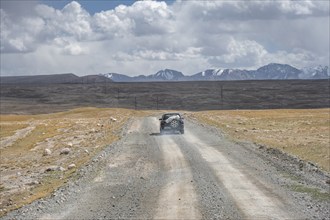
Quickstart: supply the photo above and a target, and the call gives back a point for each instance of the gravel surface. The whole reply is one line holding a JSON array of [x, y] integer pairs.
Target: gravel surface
[[199, 175]]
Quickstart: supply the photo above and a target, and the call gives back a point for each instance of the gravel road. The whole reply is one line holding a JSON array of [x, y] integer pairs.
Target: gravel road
[[198, 175]]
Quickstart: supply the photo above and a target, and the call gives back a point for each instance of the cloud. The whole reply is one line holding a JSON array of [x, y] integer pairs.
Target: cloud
[[21, 37], [161, 55], [71, 21], [19, 9], [70, 46], [142, 18], [247, 51], [110, 25], [150, 35], [253, 10]]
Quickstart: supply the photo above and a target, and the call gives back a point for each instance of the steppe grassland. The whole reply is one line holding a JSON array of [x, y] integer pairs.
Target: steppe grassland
[[85, 131], [301, 132]]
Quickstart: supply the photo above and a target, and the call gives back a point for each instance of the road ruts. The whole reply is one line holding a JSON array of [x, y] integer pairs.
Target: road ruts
[[198, 175]]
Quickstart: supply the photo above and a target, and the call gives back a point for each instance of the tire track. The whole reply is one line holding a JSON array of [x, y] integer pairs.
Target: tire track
[[8, 141], [199, 175], [253, 202], [177, 199]]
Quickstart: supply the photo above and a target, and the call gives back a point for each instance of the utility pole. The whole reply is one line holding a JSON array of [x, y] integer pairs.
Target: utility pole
[[135, 103], [105, 85], [157, 102], [221, 96]]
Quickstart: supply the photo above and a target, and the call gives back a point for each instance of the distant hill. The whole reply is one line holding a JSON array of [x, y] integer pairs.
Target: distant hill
[[162, 75], [277, 71], [272, 71], [166, 75], [223, 74], [66, 78], [94, 79], [116, 77], [317, 72]]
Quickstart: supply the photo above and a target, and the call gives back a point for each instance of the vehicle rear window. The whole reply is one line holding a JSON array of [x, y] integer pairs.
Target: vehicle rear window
[[167, 116]]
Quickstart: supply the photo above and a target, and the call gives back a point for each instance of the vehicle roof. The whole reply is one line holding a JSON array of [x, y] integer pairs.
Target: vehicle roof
[[171, 114]]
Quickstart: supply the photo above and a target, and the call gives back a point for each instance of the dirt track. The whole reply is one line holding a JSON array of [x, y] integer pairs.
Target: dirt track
[[197, 175]]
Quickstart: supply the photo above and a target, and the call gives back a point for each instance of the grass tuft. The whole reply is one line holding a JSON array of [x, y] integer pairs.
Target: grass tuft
[[313, 192]]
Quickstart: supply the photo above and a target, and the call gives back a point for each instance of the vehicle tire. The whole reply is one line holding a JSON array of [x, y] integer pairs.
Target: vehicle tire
[[182, 131], [174, 124]]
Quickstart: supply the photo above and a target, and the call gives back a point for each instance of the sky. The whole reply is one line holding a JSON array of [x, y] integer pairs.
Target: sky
[[143, 37]]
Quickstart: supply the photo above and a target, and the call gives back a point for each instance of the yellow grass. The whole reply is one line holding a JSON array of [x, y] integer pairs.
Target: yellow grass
[[9, 124], [305, 133], [86, 131], [7, 130]]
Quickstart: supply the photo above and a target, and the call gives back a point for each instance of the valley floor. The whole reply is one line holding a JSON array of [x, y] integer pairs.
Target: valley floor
[[123, 167]]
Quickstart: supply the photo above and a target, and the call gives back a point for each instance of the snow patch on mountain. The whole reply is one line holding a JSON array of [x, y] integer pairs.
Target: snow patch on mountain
[[116, 77], [217, 72], [167, 74], [315, 72]]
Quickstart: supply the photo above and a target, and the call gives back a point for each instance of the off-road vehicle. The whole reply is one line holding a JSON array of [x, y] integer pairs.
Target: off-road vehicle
[[171, 122]]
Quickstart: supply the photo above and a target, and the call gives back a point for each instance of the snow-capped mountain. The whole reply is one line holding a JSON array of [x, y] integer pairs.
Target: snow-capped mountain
[[210, 74], [272, 71], [277, 71], [166, 75], [316, 72], [222, 74]]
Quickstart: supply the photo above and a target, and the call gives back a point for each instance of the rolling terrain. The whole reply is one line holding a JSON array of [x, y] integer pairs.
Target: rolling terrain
[[194, 96], [201, 174], [62, 161]]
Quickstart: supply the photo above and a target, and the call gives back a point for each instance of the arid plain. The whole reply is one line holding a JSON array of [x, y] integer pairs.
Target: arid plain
[[292, 116]]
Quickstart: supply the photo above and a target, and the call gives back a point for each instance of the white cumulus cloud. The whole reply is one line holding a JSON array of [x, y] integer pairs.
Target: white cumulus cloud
[[146, 36]]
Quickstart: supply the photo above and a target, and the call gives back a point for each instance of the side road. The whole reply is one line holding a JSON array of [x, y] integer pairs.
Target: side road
[[197, 175]]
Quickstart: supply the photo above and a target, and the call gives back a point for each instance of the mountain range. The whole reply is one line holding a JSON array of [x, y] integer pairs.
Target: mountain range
[[272, 71]]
